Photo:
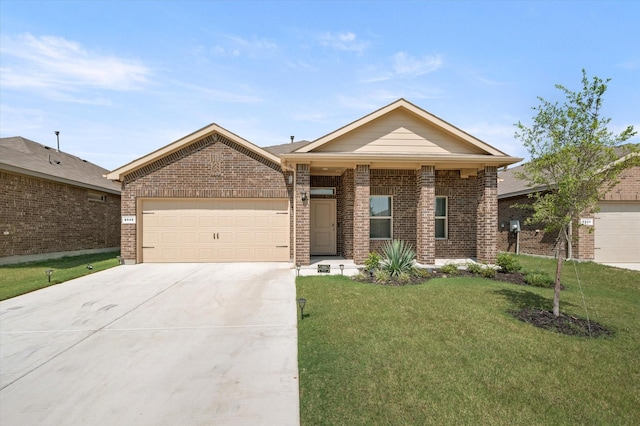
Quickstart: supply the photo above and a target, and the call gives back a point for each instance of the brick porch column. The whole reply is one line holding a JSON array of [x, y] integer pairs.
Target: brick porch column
[[128, 242], [487, 215], [361, 214], [425, 215], [303, 214]]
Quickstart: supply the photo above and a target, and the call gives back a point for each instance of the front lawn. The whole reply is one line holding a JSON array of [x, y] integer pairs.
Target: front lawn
[[26, 277], [448, 352]]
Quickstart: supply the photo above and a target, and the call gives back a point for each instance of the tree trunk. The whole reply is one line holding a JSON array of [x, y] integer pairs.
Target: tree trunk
[[560, 256]]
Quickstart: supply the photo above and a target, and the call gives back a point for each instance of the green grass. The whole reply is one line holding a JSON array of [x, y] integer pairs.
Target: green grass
[[446, 352], [26, 277]]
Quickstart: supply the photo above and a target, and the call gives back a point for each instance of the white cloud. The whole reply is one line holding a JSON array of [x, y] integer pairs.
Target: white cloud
[[403, 64], [56, 66], [343, 41], [235, 46]]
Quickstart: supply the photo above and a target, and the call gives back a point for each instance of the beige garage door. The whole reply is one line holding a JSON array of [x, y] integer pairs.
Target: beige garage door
[[617, 233], [255, 230]]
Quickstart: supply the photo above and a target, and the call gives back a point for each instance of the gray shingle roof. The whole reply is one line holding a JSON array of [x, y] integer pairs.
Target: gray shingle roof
[[285, 148], [510, 186], [20, 155]]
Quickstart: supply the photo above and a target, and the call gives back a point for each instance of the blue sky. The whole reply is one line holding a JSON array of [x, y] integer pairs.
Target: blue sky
[[120, 79]]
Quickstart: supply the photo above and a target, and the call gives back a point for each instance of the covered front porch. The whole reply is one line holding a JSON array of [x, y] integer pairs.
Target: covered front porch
[[442, 213]]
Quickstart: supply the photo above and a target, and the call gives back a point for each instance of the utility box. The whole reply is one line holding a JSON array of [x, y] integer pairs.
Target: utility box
[[514, 226]]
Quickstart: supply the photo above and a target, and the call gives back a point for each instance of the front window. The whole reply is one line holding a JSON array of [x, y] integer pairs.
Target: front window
[[441, 218], [380, 217]]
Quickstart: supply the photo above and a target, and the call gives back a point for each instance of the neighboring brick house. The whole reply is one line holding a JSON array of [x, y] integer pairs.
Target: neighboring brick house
[[397, 173], [53, 203], [610, 236]]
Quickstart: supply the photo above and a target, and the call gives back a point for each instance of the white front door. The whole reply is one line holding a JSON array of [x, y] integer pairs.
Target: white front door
[[323, 227]]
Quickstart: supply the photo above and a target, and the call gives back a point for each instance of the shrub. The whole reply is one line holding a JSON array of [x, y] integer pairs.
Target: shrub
[[488, 272], [475, 268], [361, 276], [381, 275], [450, 269], [404, 277], [508, 263], [538, 279], [373, 261], [422, 272], [398, 257]]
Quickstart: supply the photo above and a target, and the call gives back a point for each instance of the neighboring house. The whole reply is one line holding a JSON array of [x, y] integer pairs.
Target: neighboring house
[[397, 173], [53, 203], [610, 236]]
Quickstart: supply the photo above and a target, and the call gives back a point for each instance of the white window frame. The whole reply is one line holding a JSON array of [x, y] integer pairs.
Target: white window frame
[[445, 217], [390, 218]]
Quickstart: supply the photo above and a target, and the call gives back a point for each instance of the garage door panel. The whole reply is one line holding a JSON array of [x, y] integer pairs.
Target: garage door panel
[[617, 232], [215, 230]]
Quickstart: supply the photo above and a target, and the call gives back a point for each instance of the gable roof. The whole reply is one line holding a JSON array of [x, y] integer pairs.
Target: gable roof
[[24, 156], [399, 135], [402, 104], [510, 186], [210, 130]]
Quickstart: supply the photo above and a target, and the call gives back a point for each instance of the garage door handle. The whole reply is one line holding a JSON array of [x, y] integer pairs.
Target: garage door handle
[[282, 246], [216, 236], [147, 247]]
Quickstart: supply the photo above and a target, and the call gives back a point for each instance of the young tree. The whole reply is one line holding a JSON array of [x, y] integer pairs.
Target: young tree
[[573, 156]]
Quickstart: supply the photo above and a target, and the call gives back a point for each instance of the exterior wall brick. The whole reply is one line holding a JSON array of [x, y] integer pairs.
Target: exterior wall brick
[[43, 216], [303, 215], [425, 215], [462, 198], [487, 214], [534, 240], [210, 168], [400, 185], [347, 198], [361, 214]]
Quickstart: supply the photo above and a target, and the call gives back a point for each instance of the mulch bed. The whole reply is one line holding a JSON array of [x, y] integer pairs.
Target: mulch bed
[[564, 324]]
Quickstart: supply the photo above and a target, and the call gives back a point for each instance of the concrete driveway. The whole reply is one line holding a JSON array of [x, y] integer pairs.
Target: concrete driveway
[[154, 344]]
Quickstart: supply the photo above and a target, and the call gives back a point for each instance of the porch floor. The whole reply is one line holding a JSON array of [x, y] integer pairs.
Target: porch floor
[[350, 268]]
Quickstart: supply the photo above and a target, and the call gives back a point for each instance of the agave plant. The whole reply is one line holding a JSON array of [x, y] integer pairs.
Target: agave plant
[[398, 257]]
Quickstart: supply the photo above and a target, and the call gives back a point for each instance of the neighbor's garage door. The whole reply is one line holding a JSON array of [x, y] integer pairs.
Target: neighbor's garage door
[[617, 232], [215, 230]]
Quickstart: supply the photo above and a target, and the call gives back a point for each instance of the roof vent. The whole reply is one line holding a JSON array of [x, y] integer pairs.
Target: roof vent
[[291, 138]]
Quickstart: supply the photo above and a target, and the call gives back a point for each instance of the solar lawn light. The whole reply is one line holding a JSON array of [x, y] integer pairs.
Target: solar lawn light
[[301, 303], [297, 269], [49, 272], [341, 269]]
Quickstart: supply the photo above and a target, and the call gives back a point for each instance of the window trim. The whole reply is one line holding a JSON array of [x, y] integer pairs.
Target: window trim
[[445, 217], [96, 197], [390, 218], [322, 190]]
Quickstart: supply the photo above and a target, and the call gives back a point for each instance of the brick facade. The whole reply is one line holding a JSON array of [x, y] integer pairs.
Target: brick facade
[[214, 167], [40, 216], [487, 215], [303, 215], [362, 190], [534, 240], [425, 214]]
